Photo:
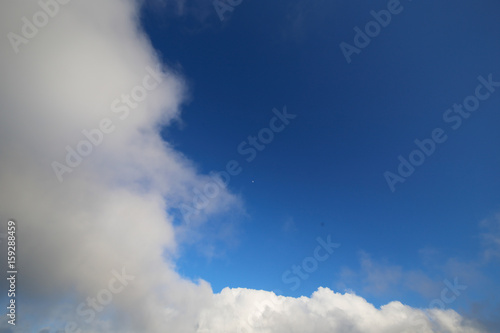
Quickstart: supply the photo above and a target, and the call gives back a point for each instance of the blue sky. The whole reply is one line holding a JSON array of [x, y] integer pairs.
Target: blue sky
[[324, 174], [311, 166]]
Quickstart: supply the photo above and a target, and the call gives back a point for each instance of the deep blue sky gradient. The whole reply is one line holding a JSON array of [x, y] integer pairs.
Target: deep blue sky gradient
[[325, 171]]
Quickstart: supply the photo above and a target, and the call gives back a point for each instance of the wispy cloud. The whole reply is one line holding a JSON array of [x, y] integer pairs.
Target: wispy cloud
[[491, 237]]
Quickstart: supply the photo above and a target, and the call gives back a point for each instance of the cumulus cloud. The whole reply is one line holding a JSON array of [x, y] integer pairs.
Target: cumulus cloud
[[111, 210], [243, 310], [111, 224]]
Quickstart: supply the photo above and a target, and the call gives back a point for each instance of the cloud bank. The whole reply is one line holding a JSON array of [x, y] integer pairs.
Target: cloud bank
[[97, 250]]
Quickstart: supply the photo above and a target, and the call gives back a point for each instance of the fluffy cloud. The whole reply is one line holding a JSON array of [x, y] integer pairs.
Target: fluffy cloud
[[111, 210], [243, 310], [114, 212]]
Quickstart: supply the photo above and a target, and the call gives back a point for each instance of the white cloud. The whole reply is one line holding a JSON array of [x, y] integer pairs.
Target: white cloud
[[243, 310], [112, 211]]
